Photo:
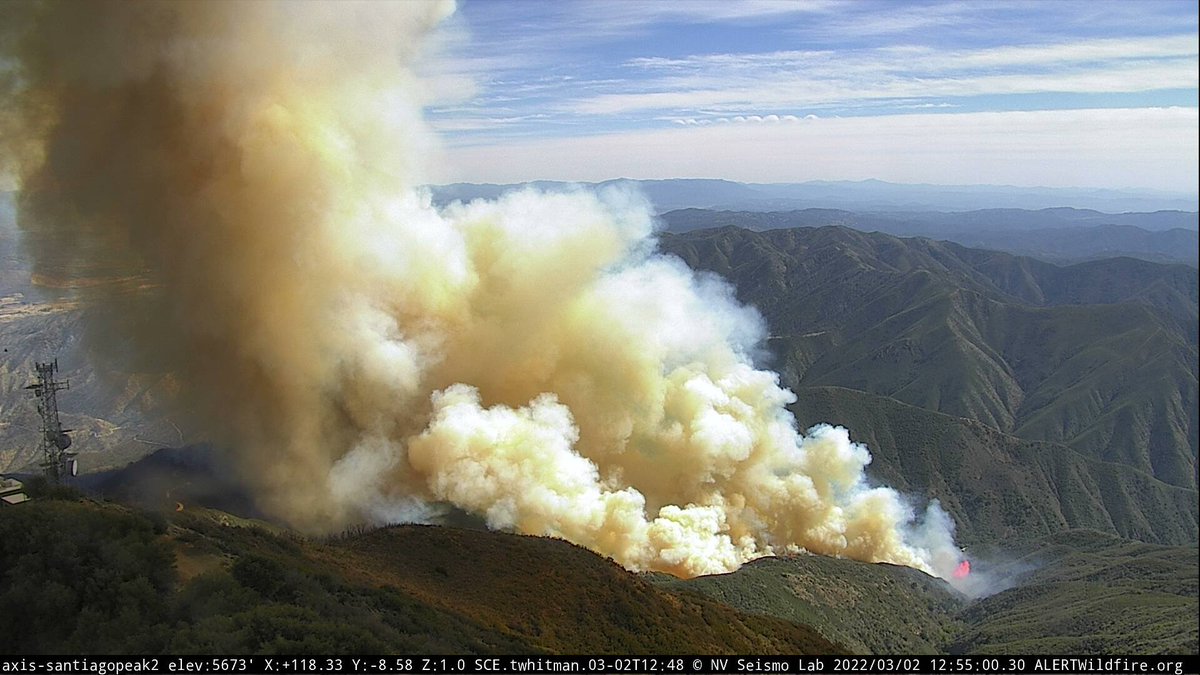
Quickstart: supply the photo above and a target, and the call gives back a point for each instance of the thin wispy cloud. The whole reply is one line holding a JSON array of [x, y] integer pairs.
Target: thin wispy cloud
[[918, 57], [526, 72], [1067, 148], [805, 78], [787, 90], [899, 19]]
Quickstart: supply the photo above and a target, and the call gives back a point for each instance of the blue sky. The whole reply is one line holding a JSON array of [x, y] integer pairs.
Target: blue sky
[[1058, 93]]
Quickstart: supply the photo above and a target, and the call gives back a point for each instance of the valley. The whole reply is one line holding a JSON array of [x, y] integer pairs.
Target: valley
[[453, 327], [1050, 410]]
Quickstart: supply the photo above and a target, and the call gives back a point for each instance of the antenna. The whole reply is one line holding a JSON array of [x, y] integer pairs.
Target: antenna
[[56, 461]]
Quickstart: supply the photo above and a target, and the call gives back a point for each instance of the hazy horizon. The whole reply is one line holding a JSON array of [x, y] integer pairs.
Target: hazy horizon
[[861, 196], [1194, 194], [1064, 94]]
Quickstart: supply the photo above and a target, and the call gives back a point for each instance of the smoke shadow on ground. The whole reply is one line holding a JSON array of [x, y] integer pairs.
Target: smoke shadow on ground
[[205, 476], [177, 478]]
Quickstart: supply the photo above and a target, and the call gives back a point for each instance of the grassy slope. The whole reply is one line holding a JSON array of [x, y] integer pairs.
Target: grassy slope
[[869, 608], [87, 577], [1087, 592], [1074, 592], [558, 596]]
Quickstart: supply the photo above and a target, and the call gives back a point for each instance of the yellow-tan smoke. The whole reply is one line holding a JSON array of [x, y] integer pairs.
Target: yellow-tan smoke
[[530, 359]]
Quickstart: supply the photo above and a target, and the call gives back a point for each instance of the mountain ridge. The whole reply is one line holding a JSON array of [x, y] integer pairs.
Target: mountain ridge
[[1167, 237], [998, 487], [952, 329], [871, 195]]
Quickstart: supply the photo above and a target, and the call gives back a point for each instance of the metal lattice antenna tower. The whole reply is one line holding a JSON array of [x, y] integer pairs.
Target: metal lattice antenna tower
[[56, 461]]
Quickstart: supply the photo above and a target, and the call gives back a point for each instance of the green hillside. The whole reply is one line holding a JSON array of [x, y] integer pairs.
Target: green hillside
[[872, 609], [998, 487], [557, 596], [1084, 592], [1057, 235], [78, 576], [1099, 356], [1073, 592], [88, 577], [1052, 411]]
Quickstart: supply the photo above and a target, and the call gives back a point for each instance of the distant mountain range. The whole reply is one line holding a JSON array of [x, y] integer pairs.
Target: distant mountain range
[[859, 196], [935, 222], [1056, 225], [1061, 235], [1068, 395]]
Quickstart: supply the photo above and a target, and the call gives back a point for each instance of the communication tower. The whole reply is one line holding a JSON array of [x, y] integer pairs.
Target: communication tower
[[56, 461]]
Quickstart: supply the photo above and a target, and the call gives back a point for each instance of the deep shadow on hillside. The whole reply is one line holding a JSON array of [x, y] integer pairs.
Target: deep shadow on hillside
[[171, 478]]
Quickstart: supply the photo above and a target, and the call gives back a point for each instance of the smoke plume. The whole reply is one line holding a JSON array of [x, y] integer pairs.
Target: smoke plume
[[246, 176]]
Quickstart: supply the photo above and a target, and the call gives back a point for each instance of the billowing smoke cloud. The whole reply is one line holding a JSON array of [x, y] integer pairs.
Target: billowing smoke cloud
[[252, 168]]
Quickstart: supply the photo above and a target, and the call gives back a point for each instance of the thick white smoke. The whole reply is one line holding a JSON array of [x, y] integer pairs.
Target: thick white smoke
[[530, 359]]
